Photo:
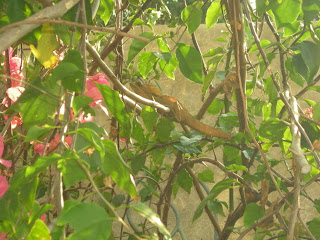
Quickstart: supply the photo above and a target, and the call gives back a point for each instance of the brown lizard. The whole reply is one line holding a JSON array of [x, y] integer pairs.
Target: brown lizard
[[178, 111]]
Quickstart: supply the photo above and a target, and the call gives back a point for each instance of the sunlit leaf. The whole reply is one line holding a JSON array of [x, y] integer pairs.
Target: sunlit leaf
[[191, 16], [39, 231], [105, 10], [46, 45], [137, 45], [190, 62], [286, 11], [213, 13]]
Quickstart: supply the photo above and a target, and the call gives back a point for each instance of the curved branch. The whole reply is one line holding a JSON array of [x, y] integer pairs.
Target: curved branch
[[96, 57], [10, 36]]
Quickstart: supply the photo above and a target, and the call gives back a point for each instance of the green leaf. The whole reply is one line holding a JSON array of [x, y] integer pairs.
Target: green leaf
[[313, 226], [118, 200], [38, 132], [216, 107], [39, 231], [88, 220], [272, 129], [137, 45], [190, 62], [206, 176], [316, 111], [137, 163], [163, 129], [149, 117], [252, 213], [146, 62], [215, 206], [158, 155], [70, 169], [228, 121], [82, 102], [215, 191], [16, 10], [271, 90], [184, 180], [169, 67], [236, 167], [213, 13], [312, 130], [117, 108], [147, 213], [317, 204], [264, 44], [114, 165], [94, 139], [286, 11], [37, 111], [294, 75], [134, 2], [137, 131], [70, 71], [40, 165], [310, 53], [105, 10], [191, 16], [300, 66], [213, 51]]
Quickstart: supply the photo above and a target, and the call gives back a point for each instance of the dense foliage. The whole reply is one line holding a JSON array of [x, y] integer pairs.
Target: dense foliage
[[64, 175]]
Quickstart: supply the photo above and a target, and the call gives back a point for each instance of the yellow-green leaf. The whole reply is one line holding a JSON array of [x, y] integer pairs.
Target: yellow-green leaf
[[47, 43]]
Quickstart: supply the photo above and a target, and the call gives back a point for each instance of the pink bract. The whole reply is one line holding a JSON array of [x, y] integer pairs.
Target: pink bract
[[3, 185], [92, 90], [3, 236]]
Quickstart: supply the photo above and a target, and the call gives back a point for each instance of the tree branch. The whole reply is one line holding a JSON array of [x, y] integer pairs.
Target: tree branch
[[10, 36]]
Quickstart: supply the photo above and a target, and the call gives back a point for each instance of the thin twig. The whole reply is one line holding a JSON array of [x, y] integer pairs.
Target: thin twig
[[75, 24]]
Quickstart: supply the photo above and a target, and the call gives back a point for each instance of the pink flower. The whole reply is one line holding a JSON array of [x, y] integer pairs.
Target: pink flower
[[3, 236], [93, 91], [4, 185], [87, 118], [38, 147], [15, 122], [14, 93]]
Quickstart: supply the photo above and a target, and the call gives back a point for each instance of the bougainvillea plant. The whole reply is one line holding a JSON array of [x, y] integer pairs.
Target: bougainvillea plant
[[67, 174]]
